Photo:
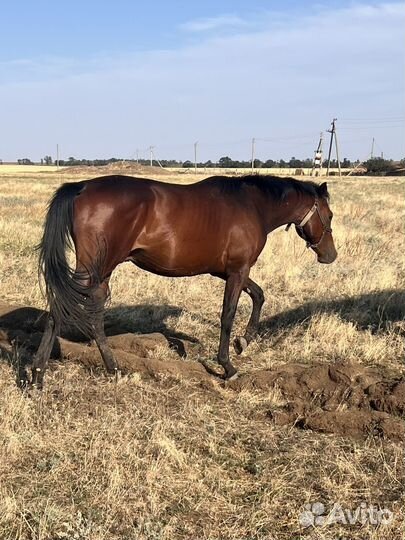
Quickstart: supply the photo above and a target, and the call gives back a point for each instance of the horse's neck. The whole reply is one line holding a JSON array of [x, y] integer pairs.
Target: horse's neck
[[291, 209]]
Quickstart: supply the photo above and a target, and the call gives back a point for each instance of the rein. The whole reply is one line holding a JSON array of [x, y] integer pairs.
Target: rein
[[326, 229]]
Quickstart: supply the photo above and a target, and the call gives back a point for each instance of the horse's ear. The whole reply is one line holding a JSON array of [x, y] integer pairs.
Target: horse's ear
[[323, 190]]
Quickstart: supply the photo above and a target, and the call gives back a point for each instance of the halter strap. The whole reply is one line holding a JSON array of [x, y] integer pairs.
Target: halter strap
[[309, 214], [304, 221]]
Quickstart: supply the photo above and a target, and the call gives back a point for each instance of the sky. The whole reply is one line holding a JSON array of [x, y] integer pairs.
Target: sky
[[105, 79]]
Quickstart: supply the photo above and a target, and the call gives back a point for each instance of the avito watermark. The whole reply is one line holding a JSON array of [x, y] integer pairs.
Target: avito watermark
[[316, 514]]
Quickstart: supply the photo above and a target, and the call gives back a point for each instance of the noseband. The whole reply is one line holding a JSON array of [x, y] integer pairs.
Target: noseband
[[326, 229]]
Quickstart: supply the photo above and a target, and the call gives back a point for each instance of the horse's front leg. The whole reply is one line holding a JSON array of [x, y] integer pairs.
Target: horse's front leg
[[256, 294], [234, 285]]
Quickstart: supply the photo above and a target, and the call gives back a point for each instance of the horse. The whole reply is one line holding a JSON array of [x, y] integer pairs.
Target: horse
[[216, 226]]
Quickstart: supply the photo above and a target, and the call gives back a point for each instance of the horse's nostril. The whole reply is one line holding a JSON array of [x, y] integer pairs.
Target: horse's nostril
[[327, 259]]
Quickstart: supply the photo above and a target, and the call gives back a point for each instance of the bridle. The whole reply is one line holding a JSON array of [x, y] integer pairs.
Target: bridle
[[326, 228]]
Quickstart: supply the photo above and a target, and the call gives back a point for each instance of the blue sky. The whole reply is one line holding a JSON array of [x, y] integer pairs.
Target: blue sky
[[106, 78]]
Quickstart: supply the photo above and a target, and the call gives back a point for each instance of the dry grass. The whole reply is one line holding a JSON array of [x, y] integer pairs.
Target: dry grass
[[166, 459]]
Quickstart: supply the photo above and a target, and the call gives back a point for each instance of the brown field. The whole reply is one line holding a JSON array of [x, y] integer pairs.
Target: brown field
[[171, 452]]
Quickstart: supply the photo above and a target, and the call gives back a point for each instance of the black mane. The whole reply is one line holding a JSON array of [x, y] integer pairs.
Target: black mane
[[271, 185]]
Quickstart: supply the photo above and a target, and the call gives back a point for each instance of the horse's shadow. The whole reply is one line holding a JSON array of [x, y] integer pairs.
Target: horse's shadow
[[146, 319], [21, 331], [143, 318], [375, 312]]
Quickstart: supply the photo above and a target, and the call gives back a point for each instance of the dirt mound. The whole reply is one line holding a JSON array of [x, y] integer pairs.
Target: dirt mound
[[22, 328], [343, 399], [121, 167]]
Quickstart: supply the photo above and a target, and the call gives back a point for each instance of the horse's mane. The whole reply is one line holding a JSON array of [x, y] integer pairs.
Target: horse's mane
[[274, 186]]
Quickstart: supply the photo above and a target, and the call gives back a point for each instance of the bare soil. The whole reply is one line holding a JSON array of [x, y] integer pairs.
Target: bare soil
[[346, 399]]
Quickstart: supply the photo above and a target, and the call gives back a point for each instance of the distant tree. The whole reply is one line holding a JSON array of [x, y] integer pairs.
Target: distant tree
[[333, 163], [258, 164], [294, 163], [225, 162], [270, 163], [379, 166], [346, 163], [208, 164], [24, 161], [172, 163]]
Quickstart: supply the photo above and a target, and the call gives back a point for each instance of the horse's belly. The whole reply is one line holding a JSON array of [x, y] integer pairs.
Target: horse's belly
[[175, 265]]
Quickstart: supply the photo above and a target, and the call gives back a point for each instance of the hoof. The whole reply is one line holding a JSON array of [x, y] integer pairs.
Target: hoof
[[37, 380], [23, 381], [114, 374], [239, 344], [230, 372], [33, 390]]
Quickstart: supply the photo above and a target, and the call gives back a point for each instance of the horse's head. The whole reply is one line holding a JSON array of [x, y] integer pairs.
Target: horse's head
[[315, 227]]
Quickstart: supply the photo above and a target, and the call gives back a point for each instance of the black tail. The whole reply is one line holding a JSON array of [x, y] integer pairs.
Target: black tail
[[68, 293]]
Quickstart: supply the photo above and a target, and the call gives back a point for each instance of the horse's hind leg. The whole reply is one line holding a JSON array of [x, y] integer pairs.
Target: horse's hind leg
[[41, 357], [256, 294], [100, 296]]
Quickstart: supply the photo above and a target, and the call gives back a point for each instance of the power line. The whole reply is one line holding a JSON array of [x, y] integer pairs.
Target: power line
[[392, 125], [276, 139], [373, 120]]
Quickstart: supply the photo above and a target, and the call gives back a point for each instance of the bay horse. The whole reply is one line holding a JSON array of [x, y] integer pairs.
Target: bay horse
[[217, 226]]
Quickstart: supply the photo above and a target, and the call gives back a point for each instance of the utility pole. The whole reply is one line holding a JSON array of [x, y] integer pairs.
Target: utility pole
[[195, 157], [156, 159], [333, 134], [253, 153], [372, 149], [151, 154], [331, 131], [337, 154], [57, 156], [137, 156]]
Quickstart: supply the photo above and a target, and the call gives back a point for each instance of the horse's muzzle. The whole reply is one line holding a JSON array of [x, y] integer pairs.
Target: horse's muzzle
[[327, 258]]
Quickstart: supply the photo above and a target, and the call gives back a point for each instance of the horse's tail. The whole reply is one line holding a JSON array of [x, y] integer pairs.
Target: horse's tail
[[68, 293]]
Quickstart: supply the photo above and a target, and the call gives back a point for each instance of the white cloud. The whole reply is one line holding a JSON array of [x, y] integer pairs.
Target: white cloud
[[278, 82], [213, 23]]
